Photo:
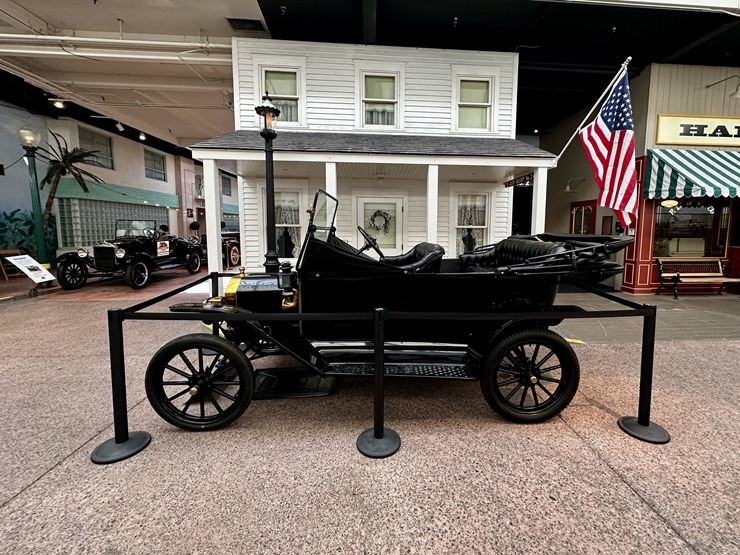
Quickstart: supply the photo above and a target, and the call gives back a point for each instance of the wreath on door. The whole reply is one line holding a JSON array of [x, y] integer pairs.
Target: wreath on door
[[380, 220]]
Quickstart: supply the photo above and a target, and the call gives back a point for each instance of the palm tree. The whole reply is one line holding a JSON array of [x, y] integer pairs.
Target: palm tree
[[62, 162]]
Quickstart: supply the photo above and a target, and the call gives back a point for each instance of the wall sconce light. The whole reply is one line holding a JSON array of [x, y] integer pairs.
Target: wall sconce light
[[119, 126], [142, 136], [735, 94], [578, 181], [669, 203]]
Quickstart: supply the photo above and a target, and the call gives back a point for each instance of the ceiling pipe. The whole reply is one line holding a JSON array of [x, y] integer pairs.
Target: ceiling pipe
[[68, 40]]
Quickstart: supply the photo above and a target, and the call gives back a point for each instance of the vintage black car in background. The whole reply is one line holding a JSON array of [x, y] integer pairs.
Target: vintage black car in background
[[137, 250], [230, 247], [527, 372]]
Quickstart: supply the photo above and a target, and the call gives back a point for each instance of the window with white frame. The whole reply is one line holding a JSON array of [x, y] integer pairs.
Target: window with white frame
[[379, 99], [155, 165], [288, 223], [91, 140], [225, 185], [474, 103], [282, 86], [471, 222]]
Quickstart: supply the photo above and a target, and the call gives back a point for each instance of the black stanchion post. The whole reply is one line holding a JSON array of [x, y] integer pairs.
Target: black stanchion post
[[214, 284], [379, 442], [123, 445], [640, 426]]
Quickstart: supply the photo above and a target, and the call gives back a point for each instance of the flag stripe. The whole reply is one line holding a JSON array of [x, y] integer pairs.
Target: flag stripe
[[609, 144]]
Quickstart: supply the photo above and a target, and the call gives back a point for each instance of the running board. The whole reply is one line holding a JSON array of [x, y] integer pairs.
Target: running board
[[449, 371]]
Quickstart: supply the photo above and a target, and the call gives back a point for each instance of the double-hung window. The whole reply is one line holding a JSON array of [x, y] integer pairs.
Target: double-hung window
[[288, 223], [474, 103], [91, 140], [379, 99], [282, 86], [225, 185], [155, 166], [471, 222]]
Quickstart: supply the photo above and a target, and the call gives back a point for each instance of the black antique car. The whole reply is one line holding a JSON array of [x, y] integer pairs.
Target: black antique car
[[137, 250], [230, 247], [527, 372]]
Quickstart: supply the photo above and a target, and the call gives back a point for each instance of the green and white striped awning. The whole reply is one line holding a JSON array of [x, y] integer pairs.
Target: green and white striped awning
[[692, 173]]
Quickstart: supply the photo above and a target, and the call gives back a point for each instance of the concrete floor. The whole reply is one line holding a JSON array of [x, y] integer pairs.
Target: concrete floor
[[286, 478]]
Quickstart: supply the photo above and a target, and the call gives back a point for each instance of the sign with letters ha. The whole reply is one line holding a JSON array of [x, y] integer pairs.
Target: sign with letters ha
[[698, 130]]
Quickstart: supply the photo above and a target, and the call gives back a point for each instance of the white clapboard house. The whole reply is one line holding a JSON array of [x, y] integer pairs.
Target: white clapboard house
[[417, 145]]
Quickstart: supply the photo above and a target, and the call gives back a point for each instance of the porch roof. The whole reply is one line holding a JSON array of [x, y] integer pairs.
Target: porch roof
[[376, 143]]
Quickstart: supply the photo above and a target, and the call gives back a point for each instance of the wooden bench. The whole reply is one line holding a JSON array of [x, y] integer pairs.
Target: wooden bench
[[703, 271], [5, 266]]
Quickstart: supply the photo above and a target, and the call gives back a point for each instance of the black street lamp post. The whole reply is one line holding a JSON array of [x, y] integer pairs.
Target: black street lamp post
[[268, 114], [30, 139]]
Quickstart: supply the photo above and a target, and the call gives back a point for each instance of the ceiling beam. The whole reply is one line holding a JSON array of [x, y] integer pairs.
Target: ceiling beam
[[139, 82], [21, 18], [369, 20]]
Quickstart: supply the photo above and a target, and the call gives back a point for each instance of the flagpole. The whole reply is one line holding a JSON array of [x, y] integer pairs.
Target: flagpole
[[622, 68]]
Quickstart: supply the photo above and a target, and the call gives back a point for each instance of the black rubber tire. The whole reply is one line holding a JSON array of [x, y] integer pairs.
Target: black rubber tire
[[234, 256], [71, 274], [530, 376], [137, 274], [193, 361], [194, 263]]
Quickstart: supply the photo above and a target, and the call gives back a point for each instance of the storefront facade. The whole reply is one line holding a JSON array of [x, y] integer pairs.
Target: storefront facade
[[689, 183]]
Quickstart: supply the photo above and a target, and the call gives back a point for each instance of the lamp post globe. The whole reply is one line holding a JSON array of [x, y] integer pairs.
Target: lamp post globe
[[30, 139], [268, 114]]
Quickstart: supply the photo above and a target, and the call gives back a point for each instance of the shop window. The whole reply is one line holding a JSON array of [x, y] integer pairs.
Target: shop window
[[471, 224], [282, 86], [379, 99], [90, 140], [155, 166], [693, 227], [583, 217]]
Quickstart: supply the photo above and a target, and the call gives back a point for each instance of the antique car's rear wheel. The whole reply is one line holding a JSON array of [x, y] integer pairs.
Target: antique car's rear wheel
[[137, 274], [71, 274], [194, 263], [234, 255], [199, 382], [530, 376]]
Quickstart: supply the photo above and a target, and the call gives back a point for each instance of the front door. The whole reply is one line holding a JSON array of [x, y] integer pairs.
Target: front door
[[382, 219]]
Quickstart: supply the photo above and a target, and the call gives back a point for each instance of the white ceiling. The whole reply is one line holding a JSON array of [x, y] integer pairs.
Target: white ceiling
[[160, 66]]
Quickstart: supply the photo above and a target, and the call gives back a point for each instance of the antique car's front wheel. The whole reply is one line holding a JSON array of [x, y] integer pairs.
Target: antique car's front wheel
[[71, 274], [199, 382], [194, 263], [530, 376], [137, 274]]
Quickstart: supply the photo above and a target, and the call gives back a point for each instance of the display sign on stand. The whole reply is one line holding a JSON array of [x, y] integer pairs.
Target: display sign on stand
[[31, 268]]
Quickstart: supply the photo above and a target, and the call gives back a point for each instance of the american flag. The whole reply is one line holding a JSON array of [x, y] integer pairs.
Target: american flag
[[609, 142]]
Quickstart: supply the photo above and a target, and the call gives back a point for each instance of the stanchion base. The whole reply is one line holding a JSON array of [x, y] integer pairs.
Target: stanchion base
[[378, 448], [652, 433], [110, 451]]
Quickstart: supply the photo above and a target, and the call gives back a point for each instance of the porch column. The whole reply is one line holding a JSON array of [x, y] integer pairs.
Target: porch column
[[432, 201], [539, 198], [214, 211], [331, 178]]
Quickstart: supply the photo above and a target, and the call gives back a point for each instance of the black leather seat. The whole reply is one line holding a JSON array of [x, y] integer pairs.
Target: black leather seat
[[509, 251], [424, 257]]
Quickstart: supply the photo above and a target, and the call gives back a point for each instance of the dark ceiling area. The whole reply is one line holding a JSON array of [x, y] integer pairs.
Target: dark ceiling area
[[568, 52]]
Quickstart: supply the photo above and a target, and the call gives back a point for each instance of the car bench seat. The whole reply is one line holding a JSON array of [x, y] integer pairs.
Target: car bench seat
[[509, 251], [424, 257]]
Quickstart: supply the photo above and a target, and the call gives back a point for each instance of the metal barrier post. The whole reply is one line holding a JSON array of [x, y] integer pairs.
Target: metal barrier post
[[640, 427], [379, 442], [123, 445]]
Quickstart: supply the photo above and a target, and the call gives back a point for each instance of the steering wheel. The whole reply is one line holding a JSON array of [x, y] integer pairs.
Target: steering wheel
[[150, 233], [369, 242]]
